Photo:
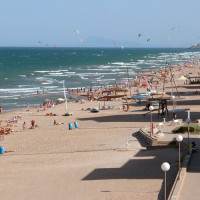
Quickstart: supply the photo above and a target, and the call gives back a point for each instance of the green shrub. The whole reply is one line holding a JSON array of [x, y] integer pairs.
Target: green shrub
[[193, 128]]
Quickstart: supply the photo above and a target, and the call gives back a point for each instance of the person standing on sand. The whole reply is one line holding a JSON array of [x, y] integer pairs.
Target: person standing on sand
[[24, 126], [32, 124], [0, 109]]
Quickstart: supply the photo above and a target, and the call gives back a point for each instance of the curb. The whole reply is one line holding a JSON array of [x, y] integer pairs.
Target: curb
[[178, 183]]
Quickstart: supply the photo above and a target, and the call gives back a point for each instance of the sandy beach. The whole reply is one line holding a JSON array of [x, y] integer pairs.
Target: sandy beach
[[91, 161]]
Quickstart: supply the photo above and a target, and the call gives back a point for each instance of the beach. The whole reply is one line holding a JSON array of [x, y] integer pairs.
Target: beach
[[91, 161], [54, 162]]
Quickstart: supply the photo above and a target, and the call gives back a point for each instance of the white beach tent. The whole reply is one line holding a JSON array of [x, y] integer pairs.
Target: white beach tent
[[182, 78], [60, 99]]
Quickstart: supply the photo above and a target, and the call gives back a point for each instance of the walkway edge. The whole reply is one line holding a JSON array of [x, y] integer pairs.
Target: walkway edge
[[178, 183]]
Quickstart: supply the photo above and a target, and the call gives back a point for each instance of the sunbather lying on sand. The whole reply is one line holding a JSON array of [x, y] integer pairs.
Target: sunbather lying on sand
[[50, 114], [55, 123]]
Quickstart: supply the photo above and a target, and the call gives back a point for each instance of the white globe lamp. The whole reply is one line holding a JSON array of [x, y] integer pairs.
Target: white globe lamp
[[151, 108], [165, 166], [179, 138], [172, 97]]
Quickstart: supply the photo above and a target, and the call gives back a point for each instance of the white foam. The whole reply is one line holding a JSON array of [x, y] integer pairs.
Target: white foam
[[97, 55], [52, 92], [48, 87], [83, 77], [52, 71], [109, 73], [5, 104], [41, 71], [104, 66], [111, 79], [18, 90], [118, 63], [56, 73], [46, 83], [23, 86]]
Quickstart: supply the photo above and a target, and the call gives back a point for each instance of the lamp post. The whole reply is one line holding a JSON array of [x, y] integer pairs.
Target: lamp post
[[174, 114], [179, 139], [151, 108], [165, 167], [188, 121]]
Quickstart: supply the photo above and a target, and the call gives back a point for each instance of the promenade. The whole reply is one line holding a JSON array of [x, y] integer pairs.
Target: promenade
[[190, 189]]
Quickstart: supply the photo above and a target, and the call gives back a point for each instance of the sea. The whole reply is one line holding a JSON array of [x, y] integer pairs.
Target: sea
[[24, 71]]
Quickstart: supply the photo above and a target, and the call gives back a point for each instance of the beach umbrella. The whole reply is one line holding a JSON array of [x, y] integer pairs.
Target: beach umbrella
[[144, 84], [115, 90], [182, 78]]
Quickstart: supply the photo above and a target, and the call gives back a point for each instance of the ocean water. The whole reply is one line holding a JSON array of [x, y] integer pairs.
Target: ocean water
[[24, 71]]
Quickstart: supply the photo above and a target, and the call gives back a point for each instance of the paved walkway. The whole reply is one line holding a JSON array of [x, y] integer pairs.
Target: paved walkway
[[190, 189]]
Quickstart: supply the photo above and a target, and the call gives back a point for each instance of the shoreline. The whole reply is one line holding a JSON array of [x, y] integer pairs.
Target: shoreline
[[93, 157]]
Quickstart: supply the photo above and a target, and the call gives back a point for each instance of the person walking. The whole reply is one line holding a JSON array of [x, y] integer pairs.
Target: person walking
[[24, 126]]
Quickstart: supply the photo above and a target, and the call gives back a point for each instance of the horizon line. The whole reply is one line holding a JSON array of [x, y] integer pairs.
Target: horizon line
[[55, 47]]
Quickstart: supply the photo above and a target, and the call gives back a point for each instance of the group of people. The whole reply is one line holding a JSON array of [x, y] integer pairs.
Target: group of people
[[6, 126], [49, 104], [5, 130]]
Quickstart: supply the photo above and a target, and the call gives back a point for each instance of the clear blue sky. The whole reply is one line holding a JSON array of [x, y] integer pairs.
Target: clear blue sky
[[25, 22]]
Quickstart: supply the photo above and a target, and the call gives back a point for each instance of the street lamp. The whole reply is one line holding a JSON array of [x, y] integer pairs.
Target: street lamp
[[173, 99], [188, 121], [165, 167], [179, 139], [151, 108]]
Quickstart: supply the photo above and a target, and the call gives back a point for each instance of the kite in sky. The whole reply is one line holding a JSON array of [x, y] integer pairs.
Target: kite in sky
[[175, 28], [139, 35], [77, 31], [148, 38], [168, 38]]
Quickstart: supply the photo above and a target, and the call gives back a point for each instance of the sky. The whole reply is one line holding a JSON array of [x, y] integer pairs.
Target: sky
[[109, 23]]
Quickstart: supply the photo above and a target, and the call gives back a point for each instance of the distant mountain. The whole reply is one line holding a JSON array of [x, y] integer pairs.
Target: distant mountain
[[195, 46]]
